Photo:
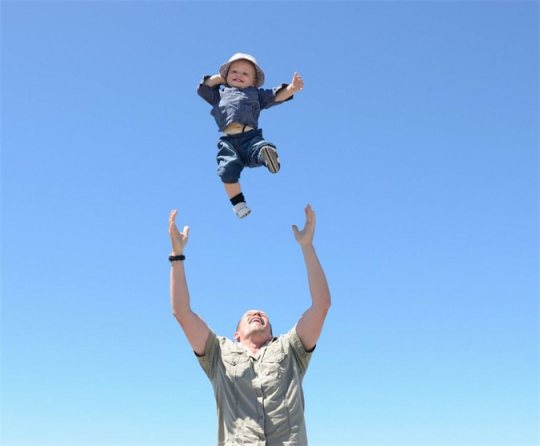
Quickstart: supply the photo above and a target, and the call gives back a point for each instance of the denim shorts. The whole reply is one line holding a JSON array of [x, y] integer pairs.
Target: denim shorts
[[238, 151]]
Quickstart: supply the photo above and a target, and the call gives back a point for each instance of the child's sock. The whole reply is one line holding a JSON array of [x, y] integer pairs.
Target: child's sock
[[238, 199]]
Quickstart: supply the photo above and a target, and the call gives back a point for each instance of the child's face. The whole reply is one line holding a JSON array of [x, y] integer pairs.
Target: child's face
[[241, 74]]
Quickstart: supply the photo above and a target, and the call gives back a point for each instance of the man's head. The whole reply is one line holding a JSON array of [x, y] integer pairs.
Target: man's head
[[254, 325]]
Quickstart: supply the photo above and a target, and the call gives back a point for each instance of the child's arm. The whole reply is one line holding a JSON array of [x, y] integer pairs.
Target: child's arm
[[208, 88], [216, 79], [297, 84]]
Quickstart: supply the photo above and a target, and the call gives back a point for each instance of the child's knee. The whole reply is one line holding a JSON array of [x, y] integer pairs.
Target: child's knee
[[229, 173]]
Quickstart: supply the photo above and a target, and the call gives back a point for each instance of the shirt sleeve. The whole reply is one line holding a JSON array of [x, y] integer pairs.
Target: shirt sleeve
[[267, 98], [209, 94], [211, 352], [301, 355]]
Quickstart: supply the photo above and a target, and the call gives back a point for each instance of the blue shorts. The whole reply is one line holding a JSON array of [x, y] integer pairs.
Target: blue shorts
[[238, 151]]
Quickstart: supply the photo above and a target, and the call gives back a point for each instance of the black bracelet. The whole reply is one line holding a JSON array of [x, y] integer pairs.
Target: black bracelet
[[178, 257]]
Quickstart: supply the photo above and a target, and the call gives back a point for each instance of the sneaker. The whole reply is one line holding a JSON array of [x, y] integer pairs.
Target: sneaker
[[271, 159], [241, 210]]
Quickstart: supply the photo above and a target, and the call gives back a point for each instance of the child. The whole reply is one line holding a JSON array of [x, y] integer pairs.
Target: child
[[236, 109]]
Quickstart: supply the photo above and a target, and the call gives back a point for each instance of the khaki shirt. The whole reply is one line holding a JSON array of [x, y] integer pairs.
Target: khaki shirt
[[259, 399]]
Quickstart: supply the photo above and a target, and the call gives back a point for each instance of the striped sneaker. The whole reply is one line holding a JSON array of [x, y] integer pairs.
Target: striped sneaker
[[271, 159], [241, 209]]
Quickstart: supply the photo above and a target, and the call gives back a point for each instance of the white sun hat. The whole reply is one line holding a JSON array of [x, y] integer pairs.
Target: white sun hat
[[224, 69]]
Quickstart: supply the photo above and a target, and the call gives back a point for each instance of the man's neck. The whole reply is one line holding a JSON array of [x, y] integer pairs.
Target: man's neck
[[254, 345]]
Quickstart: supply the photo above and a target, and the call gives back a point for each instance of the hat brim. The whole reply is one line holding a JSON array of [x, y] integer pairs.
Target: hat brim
[[224, 69]]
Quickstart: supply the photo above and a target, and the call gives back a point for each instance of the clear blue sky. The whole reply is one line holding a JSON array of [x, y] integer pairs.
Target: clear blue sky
[[416, 142]]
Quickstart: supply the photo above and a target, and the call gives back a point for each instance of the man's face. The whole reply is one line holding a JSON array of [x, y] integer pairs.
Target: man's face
[[241, 74], [254, 322]]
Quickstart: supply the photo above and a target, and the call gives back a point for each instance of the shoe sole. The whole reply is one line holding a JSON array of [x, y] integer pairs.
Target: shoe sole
[[242, 212], [244, 215], [271, 158]]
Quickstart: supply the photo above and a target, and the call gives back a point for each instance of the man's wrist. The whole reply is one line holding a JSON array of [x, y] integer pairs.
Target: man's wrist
[[174, 257]]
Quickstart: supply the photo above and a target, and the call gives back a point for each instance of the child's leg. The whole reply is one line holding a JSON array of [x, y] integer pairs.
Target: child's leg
[[229, 168], [271, 158], [233, 189], [237, 199], [264, 153]]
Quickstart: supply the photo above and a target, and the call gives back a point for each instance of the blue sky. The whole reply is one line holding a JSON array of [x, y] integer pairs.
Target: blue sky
[[416, 142]]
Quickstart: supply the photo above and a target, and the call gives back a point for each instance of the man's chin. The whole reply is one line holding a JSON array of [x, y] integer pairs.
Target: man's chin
[[258, 329]]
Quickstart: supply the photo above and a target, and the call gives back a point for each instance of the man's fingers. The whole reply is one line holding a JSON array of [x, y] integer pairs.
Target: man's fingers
[[310, 218], [311, 214]]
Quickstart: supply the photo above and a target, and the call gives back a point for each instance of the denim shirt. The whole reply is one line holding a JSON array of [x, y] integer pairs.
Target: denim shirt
[[231, 104], [259, 398]]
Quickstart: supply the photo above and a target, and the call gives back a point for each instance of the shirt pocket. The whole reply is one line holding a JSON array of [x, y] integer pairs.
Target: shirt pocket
[[237, 365], [273, 376], [274, 356], [274, 353], [274, 362]]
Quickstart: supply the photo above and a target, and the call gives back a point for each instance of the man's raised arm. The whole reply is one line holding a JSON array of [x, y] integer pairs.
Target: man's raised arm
[[310, 325], [194, 327]]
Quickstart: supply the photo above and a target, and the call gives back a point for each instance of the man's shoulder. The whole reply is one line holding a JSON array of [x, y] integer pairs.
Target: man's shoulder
[[292, 340], [226, 345], [287, 339]]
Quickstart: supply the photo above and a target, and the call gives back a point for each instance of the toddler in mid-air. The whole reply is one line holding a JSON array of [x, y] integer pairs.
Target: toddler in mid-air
[[236, 109]]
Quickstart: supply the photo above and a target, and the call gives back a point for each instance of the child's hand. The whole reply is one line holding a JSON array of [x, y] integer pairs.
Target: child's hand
[[216, 79], [297, 83]]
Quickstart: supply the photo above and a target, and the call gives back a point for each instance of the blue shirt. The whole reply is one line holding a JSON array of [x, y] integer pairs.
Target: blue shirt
[[230, 104]]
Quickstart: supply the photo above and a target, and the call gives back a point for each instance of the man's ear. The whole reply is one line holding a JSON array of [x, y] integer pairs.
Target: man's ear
[[236, 336]]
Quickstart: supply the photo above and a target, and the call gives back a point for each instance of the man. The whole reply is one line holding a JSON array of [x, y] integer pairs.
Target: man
[[257, 380]]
